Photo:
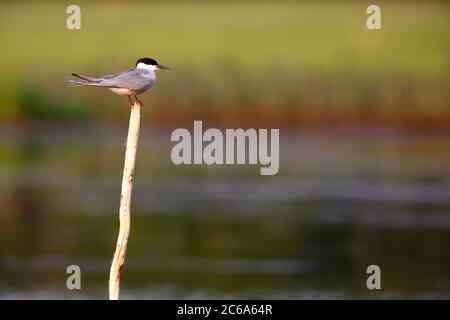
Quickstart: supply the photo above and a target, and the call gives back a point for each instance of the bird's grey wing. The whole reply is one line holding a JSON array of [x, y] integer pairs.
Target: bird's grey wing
[[116, 75], [130, 79]]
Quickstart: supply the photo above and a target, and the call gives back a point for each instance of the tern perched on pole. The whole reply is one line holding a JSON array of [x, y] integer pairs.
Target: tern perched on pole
[[128, 83]]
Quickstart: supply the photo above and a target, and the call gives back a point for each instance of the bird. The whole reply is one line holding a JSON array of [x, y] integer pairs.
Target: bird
[[127, 83]]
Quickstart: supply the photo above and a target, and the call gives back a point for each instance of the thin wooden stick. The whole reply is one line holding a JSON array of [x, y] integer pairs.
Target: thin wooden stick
[[125, 201]]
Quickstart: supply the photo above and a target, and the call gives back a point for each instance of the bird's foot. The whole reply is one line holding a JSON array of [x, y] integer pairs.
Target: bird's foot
[[138, 101]]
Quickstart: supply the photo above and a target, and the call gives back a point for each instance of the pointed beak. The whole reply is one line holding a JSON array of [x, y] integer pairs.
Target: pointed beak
[[163, 67]]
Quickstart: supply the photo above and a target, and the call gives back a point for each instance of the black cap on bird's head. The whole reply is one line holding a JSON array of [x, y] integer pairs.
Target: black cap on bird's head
[[151, 62]]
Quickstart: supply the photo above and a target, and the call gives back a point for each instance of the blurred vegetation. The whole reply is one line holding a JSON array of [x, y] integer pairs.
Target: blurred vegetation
[[290, 61]]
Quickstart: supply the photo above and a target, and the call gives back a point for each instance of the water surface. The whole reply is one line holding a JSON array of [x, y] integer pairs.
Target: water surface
[[343, 200]]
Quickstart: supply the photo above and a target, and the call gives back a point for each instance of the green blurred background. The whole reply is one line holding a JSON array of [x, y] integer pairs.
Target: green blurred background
[[364, 179]]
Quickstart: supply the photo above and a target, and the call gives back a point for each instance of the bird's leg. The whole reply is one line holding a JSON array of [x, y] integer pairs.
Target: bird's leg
[[139, 101]]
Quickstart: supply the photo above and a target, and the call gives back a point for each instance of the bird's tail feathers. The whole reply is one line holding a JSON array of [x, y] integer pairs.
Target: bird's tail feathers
[[78, 83], [86, 78]]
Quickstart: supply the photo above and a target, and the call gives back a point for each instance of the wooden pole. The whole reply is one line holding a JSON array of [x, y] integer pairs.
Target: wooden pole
[[125, 201]]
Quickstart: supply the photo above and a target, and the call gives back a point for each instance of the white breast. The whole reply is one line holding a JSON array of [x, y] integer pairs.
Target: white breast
[[123, 91]]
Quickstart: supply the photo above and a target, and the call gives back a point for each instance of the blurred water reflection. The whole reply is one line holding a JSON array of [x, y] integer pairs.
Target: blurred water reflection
[[344, 199]]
